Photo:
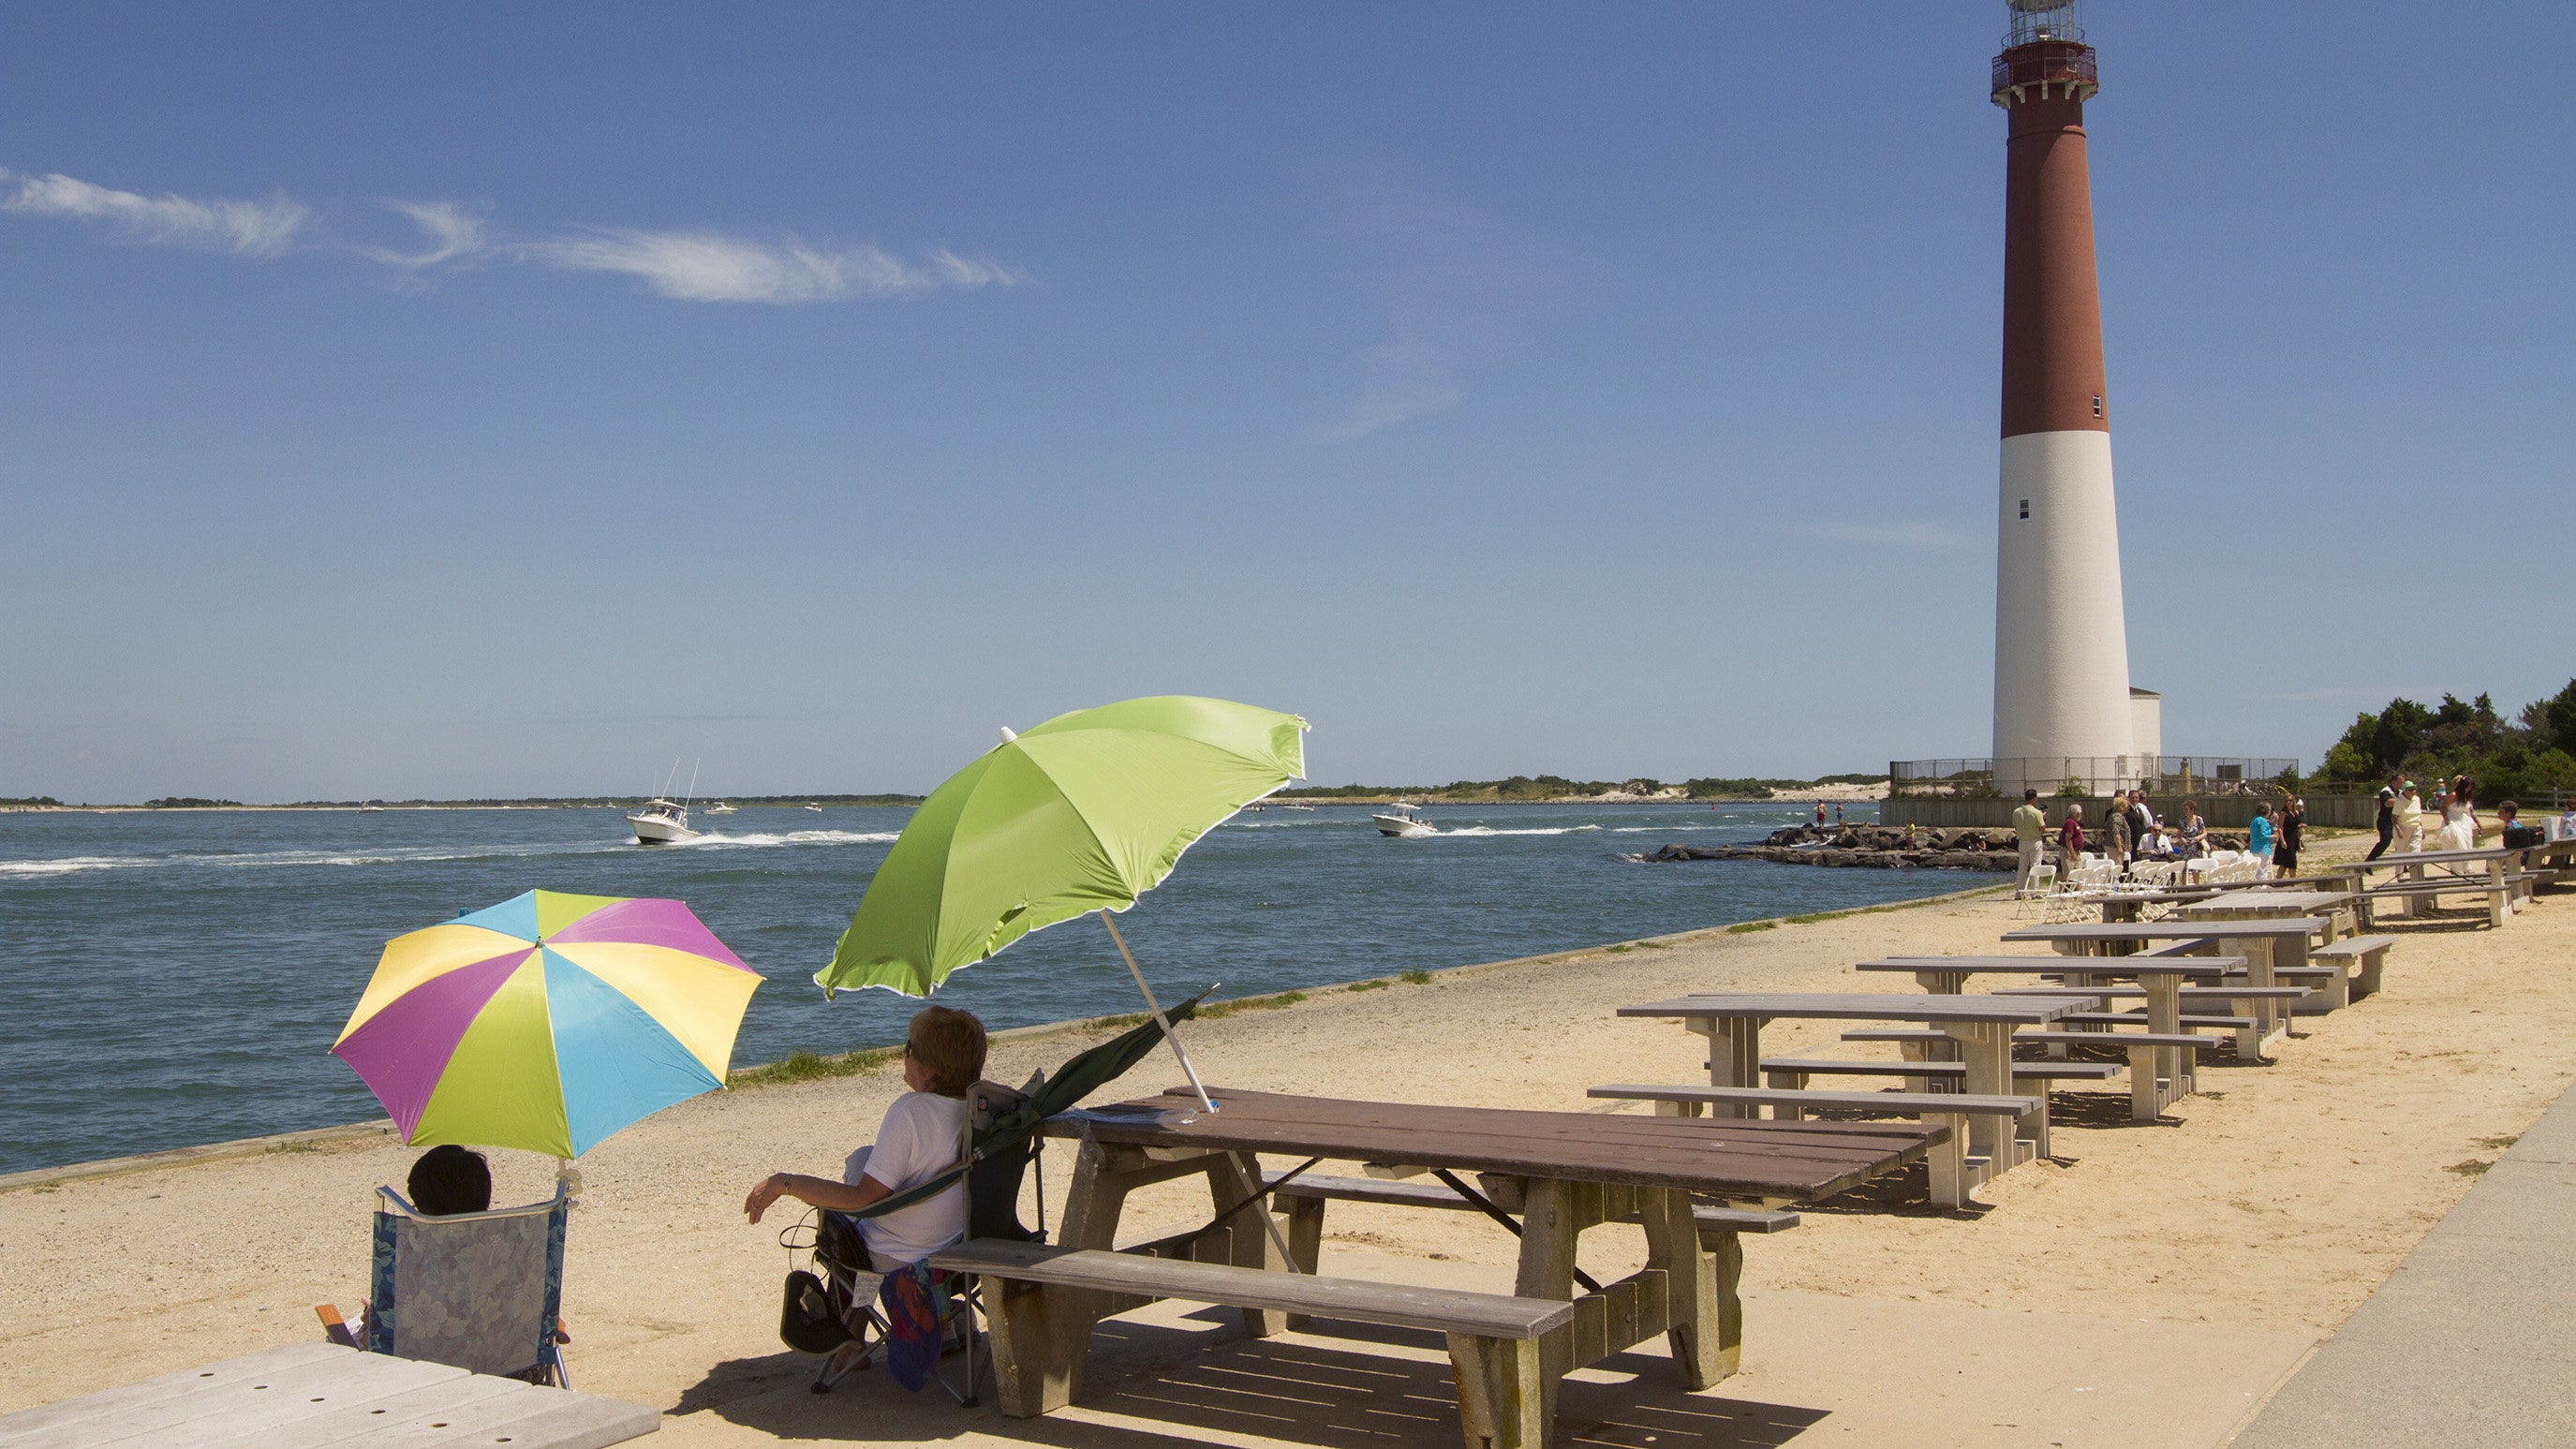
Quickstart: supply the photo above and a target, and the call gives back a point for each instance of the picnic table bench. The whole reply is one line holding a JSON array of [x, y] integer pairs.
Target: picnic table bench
[[2364, 954], [326, 1396], [2266, 945], [1982, 1027], [1566, 1173]]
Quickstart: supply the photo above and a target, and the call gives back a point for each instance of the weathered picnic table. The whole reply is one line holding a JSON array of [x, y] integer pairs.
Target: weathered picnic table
[[2159, 1074], [2261, 905], [325, 1396], [2266, 944], [1565, 1173], [1981, 1025], [2553, 861], [2452, 871]]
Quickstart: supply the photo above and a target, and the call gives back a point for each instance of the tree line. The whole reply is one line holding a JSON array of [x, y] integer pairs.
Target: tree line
[[2532, 752]]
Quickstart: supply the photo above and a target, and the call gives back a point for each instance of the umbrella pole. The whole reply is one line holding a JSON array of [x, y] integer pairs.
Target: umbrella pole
[[1157, 1009]]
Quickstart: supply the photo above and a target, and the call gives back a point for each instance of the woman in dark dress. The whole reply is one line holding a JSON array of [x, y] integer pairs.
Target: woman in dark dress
[[2285, 852]]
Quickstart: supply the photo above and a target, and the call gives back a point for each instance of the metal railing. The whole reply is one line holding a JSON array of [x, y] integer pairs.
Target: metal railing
[[2062, 64], [2087, 775]]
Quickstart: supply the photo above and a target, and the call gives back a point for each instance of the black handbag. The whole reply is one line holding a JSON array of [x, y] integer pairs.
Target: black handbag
[[806, 1321]]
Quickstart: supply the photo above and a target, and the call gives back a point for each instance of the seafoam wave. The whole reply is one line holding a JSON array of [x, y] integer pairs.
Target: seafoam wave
[[259, 859]]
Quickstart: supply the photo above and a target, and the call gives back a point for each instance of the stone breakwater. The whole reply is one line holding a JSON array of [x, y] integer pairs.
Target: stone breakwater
[[1877, 847]]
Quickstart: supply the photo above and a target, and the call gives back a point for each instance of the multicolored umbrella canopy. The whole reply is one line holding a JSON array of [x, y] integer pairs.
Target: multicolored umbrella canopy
[[1083, 813], [546, 1022]]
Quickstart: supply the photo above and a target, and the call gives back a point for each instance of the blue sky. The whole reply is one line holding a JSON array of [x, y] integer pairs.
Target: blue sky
[[493, 400]]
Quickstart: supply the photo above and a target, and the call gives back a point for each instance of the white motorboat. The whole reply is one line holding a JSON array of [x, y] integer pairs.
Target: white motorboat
[[661, 822], [720, 808], [1402, 819], [817, 809]]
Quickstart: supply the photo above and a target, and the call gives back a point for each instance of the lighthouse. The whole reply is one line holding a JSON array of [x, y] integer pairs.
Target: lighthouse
[[2063, 705]]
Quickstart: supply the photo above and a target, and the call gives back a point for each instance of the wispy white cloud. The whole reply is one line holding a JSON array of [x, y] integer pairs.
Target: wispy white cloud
[[1892, 535], [446, 232], [690, 266], [245, 228], [1460, 292], [713, 267]]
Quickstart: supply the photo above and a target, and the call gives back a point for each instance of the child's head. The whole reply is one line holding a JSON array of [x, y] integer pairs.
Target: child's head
[[451, 1179], [946, 1046]]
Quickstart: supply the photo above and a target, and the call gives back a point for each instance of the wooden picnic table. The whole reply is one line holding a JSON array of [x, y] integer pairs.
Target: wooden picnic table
[[2267, 944], [325, 1396], [2410, 869], [1565, 1172], [2251, 905], [2554, 860], [2172, 1077], [1981, 1025]]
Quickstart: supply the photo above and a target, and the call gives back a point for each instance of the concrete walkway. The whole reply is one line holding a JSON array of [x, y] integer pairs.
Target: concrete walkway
[[2472, 1341]]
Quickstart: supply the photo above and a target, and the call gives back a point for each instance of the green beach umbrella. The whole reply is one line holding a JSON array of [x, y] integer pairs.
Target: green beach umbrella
[[1081, 814]]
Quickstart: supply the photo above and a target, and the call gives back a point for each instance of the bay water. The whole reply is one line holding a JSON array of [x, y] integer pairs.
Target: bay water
[[169, 978]]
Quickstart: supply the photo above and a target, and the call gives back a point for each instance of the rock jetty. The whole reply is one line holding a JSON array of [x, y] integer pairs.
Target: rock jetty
[[1877, 847]]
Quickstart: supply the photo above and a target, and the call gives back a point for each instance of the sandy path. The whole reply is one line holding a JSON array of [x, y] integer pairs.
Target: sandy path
[[2147, 1287]]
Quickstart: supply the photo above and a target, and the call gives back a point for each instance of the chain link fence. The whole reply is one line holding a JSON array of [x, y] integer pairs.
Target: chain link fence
[[2086, 775]]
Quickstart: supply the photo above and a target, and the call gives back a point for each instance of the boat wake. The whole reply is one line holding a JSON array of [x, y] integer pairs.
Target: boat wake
[[717, 839], [1489, 830]]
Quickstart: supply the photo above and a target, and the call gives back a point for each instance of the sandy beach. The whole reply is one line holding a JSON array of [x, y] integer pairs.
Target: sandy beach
[[2149, 1286]]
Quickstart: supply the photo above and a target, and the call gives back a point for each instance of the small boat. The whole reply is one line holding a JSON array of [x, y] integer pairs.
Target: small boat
[[1402, 819], [720, 808], [372, 807], [817, 809], [661, 822]]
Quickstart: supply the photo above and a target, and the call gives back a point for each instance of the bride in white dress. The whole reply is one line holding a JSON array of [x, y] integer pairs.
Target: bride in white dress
[[2460, 818]]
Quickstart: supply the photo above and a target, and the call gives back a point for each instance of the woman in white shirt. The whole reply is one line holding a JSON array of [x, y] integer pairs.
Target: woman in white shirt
[[923, 1135]]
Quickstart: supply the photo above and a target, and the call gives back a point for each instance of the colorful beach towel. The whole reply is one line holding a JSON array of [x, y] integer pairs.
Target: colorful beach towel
[[915, 1301]]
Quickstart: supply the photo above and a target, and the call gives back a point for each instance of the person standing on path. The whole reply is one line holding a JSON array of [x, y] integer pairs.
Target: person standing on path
[[2116, 838], [2387, 821], [2070, 842], [2258, 841], [2030, 827], [2410, 819]]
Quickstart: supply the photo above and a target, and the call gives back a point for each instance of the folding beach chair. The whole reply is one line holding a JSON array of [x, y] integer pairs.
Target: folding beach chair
[[481, 1291], [833, 1308]]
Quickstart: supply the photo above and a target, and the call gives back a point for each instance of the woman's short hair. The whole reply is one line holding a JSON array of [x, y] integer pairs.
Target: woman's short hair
[[450, 1179], [949, 1044]]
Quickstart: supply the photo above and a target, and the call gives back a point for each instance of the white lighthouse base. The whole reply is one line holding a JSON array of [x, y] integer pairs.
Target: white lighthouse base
[[2062, 706]]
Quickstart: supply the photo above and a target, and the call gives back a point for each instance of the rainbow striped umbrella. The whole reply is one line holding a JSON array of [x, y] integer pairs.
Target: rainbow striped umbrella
[[546, 1022]]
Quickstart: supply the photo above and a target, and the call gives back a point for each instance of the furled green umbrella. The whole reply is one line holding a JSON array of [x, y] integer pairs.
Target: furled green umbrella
[[1083, 813]]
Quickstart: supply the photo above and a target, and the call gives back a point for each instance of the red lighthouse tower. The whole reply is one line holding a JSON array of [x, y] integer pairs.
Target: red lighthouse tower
[[2062, 698]]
